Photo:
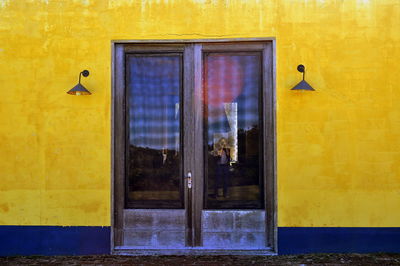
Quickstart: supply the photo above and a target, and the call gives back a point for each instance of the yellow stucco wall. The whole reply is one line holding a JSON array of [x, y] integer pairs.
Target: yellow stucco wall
[[338, 148]]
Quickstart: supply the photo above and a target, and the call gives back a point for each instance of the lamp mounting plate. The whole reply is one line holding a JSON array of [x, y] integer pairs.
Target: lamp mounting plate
[[85, 73], [301, 68]]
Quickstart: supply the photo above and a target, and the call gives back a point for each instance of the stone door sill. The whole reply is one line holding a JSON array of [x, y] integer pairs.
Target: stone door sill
[[146, 251]]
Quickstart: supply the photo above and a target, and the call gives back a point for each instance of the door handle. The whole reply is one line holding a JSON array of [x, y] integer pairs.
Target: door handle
[[189, 180]]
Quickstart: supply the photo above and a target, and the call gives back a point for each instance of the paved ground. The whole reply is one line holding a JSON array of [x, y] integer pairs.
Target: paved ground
[[312, 259]]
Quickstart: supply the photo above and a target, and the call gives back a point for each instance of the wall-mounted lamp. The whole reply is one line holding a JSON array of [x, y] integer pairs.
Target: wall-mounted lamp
[[79, 89], [302, 85]]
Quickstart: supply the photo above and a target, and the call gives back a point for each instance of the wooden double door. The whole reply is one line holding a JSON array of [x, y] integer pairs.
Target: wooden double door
[[193, 147]]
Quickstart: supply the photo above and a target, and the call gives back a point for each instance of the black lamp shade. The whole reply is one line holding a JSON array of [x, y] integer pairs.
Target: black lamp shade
[[303, 85], [79, 90]]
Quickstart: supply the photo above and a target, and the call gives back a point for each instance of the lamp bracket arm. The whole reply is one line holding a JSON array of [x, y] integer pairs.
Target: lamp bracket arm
[[85, 73]]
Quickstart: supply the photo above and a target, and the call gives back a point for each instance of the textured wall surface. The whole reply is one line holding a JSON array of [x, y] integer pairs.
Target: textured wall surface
[[338, 147]]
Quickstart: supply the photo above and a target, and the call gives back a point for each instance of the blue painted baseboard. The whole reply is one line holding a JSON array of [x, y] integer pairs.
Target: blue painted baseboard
[[90, 240], [300, 240], [54, 240]]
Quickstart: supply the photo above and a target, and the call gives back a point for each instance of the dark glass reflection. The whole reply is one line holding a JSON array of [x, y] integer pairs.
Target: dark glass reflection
[[154, 84], [232, 109]]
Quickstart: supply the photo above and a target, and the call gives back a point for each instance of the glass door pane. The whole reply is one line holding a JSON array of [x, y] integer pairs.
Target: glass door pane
[[233, 140], [154, 85]]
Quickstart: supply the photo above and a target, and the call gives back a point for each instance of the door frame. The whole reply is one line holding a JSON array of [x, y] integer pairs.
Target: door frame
[[269, 144]]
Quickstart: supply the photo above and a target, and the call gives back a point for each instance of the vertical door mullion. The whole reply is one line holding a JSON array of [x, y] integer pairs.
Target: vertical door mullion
[[193, 141], [188, 138], [198, 185]]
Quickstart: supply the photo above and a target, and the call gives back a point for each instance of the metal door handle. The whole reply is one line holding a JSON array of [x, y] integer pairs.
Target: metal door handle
[[189, 180]]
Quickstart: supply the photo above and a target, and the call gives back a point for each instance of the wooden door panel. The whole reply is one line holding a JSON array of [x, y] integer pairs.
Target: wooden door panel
[[151, 228]]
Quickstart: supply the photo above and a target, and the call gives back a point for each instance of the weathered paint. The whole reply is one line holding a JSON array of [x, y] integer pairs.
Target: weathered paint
[[338, 147], [300, 240], [84, 240], [54, 240]]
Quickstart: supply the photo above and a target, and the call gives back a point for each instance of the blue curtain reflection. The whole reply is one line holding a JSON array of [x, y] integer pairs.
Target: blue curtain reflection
[[154, 84], [154, 101]]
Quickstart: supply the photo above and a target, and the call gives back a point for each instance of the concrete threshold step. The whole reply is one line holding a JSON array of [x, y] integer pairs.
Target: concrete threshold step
[[149, 251]]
